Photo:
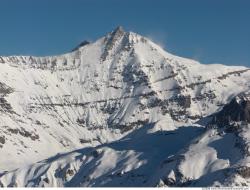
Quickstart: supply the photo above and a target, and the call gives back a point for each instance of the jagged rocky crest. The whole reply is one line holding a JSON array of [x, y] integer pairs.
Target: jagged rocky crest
[[122, 111]]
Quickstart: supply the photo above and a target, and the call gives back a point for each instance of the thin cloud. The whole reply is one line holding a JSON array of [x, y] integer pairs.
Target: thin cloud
[[158, 37], [198, 55]]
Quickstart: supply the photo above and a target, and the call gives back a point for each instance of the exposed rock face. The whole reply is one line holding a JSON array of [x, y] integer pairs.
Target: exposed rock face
[[2, 141], [244, 172], [237, 110]]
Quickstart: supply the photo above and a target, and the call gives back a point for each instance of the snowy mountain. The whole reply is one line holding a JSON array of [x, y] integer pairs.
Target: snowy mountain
[[122, 111]]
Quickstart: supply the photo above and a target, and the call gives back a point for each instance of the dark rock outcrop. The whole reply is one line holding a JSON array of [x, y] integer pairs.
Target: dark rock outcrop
[[238, 110], [244, 171], [84, 43]]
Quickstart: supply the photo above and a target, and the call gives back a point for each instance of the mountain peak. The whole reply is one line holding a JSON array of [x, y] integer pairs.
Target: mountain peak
[[119, 29], [127, 101]]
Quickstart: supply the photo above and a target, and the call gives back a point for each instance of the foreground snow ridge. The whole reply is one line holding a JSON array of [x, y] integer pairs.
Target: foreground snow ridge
[[122, 112]]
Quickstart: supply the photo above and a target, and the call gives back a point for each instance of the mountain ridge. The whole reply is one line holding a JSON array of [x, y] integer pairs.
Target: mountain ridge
[[105, 95]]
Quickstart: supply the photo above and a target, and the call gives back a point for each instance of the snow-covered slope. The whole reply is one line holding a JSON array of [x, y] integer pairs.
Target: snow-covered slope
[[112, 113]]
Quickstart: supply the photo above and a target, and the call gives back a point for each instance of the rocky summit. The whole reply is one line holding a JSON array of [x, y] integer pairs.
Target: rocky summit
[[121, 112]]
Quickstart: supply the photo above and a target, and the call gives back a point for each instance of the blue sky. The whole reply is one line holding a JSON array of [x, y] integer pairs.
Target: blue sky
[[211, 31]]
